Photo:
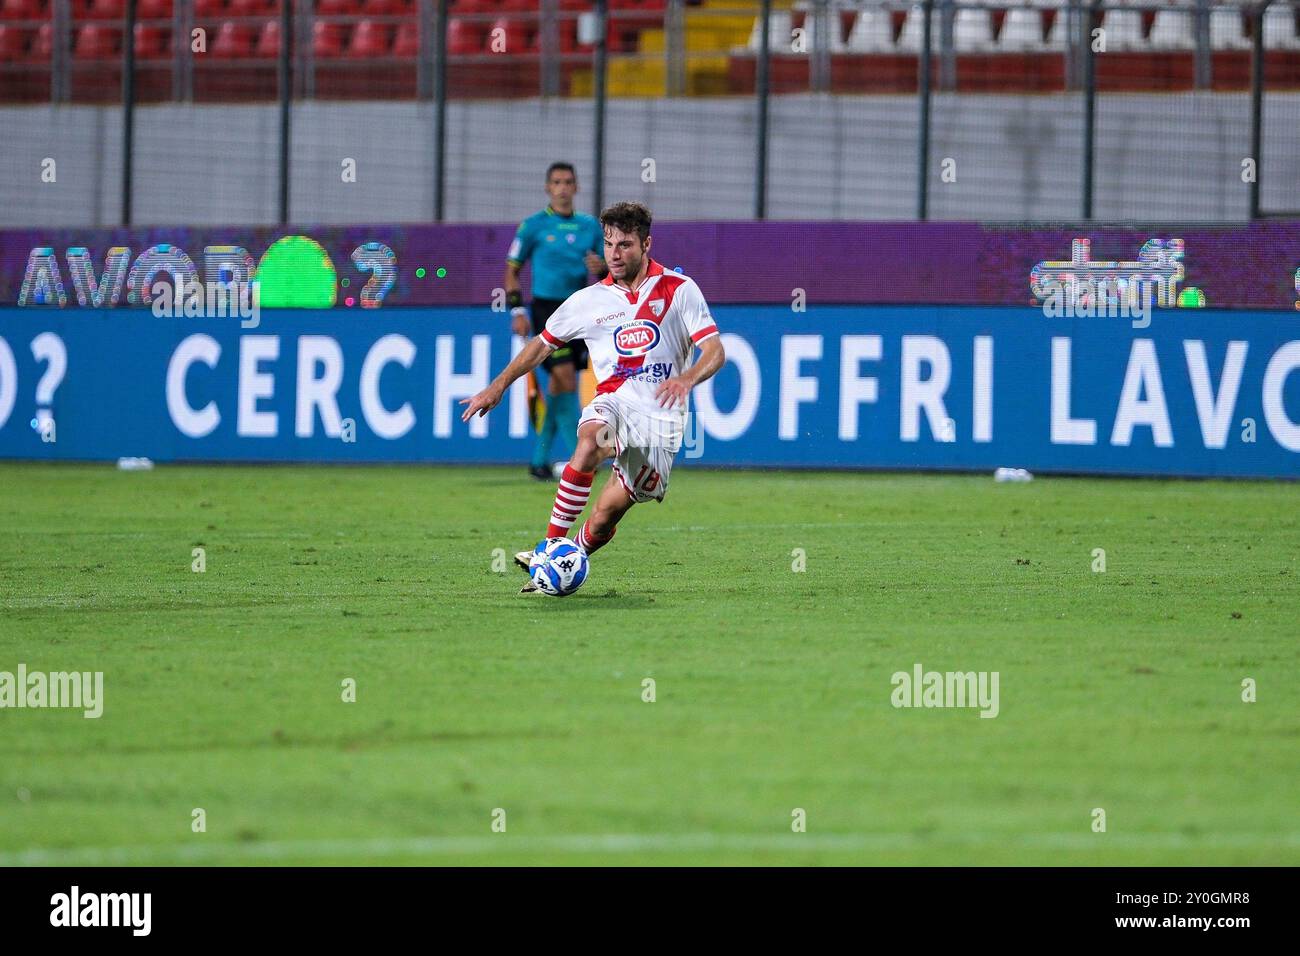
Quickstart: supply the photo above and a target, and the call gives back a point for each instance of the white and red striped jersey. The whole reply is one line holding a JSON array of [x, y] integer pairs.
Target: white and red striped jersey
[[637, 340]]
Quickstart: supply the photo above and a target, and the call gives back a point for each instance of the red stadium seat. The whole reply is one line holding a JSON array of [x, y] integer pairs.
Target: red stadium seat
[[327, 39], [105, 9], [463, 37], [43, 46], [153, 10], [13, 44], [338, 8], [209, 9], [407, 43], [22, 10], [515, 33], [152, 41], [234, 42], [96, 42], [251, 8], [369, 39], [268, 41], [385, 8]]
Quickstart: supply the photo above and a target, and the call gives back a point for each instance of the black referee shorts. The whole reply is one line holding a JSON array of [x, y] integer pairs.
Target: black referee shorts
[[570, 353]]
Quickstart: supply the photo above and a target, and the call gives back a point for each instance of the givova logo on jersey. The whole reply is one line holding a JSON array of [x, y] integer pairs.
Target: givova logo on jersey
[[636, 338]]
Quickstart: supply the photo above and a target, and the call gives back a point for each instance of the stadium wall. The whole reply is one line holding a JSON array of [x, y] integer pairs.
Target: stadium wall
[[1196, 392], [1158, 157]]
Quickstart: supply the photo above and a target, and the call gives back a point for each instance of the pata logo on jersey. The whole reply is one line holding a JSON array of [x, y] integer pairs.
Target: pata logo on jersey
[[636, 338]]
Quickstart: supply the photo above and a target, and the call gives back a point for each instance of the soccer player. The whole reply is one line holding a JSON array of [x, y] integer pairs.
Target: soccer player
[[642, 325], [565, 247]]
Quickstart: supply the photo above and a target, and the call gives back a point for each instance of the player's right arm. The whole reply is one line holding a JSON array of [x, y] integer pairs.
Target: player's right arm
[[529, 357], [565, 323]]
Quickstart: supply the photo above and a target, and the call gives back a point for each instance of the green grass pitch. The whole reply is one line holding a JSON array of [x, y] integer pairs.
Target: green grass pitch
[[1119, 690]]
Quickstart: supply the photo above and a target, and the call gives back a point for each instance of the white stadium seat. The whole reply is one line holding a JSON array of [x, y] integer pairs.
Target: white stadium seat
[[1058, 35], [1022, 30], [909, 40], [1173, 30], [1279, 28], [832, 26], [1226, 30], [972, 31], [778, 32], [1123, 30], [872, 32]]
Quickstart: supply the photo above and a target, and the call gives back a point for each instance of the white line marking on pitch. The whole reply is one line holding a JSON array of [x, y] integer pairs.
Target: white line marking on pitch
[[199, 852]]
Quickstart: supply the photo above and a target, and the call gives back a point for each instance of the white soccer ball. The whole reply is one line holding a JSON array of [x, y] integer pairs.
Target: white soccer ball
[[558, 567], [558, 469]]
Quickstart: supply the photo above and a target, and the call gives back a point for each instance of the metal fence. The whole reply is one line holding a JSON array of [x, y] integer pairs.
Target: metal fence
[[725, 109]]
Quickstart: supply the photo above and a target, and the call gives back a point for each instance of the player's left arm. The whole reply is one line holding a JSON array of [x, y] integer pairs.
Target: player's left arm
[[673, 392], [695, 315]]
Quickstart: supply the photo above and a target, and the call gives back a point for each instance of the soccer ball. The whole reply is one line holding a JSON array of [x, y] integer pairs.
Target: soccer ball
[[558, 566]]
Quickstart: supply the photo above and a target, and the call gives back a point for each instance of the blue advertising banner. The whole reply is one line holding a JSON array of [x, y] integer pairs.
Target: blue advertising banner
[[1182, 392]]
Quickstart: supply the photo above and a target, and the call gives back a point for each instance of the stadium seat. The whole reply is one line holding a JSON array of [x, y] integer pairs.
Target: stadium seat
[[913, 32], [97, 42], [834, 26], [152, 41], [407, 43], [780, 29], [268, 41], [1058, 32], [327, 39], [872, 32], [1173, 30], [337, 8], [250, 8], [13, 43], [369, 39], [1123, 30], [43, 45], [153, 10], [22, 10], [1279, 28], [515, 33], [234, 41], [384, 8], [1226, 30], [209, 9], [972, 31], [463, 37], [1022, 30], [105, 9]]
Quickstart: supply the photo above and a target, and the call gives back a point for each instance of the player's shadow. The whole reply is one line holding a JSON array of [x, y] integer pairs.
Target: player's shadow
[[606, 600]]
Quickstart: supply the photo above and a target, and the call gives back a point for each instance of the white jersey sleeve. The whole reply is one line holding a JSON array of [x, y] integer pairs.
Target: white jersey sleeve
[[695, 313], [567, 322]]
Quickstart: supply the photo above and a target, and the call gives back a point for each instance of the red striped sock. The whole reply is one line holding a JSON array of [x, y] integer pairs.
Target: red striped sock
[[590, 542], [570, 498]]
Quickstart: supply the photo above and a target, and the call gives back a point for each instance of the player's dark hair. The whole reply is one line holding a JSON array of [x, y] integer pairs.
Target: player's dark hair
[[627, 217], [562, 167]]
